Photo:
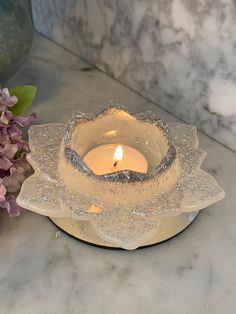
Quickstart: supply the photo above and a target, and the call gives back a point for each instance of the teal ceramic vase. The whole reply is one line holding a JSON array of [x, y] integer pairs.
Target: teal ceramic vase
[[16, 35]]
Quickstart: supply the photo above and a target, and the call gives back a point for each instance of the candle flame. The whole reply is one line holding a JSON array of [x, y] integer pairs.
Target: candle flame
[[118, 155]]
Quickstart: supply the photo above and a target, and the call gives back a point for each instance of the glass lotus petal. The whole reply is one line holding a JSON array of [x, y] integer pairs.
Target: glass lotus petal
[[124, 207]]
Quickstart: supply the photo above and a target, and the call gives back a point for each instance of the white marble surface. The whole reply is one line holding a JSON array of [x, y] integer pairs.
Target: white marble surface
[[178, 53], [41, 274]]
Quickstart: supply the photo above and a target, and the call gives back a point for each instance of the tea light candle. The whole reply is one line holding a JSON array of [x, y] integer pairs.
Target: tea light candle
[[112, 157]]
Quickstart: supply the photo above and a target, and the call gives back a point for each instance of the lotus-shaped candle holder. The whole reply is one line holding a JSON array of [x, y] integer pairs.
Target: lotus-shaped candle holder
[[150, 194]]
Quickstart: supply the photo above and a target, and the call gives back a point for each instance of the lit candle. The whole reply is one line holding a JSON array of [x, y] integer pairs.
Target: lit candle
[[112, 157]]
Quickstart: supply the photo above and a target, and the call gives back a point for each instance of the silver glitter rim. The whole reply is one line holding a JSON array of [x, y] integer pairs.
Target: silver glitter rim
[[123, 175]]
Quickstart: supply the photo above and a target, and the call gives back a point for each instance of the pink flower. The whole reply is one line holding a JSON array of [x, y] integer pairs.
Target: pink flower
[[6, 100], [14, 133], [4, 138], [11, 206], [5, 163], [9, 150], [14, 181], [3, 192], [7, 153], [9, 201], [14, 167], [24, 121]]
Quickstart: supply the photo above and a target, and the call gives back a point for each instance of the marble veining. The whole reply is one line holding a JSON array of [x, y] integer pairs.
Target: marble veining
[[178, 53], [41, 272]]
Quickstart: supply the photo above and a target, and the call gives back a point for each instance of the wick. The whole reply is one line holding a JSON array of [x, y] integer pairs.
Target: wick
[[115, 163]]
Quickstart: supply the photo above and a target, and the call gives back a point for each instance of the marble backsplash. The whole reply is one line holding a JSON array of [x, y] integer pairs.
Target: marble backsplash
[[180, 54]]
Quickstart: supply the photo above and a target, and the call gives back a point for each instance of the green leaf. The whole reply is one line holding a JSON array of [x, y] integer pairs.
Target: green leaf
[[25, 95], [17, 154]]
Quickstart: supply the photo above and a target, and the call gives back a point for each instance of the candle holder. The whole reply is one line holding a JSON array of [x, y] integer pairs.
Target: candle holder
[[118, 208]]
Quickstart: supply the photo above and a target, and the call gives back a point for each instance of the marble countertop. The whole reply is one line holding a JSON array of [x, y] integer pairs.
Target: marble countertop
[[41, 273]]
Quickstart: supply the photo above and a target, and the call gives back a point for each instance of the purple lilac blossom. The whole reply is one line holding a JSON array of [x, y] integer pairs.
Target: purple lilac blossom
[[14, 167]]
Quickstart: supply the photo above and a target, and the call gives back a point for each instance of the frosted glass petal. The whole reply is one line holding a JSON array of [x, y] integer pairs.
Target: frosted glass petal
[[124, 228], [42, 197], [200, 191]]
